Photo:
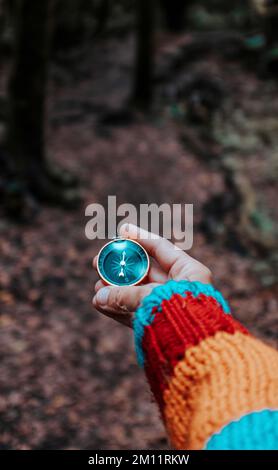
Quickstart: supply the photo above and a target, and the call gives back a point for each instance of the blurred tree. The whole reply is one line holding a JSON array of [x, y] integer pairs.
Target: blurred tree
[[270, 13], [25, 141], [69, 22], [174, 12], [77, 21], [142, 93], [102, 15], [267, 11], [6, 7]]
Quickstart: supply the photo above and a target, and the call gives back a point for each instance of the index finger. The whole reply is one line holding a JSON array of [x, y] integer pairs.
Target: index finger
[[165, 252]]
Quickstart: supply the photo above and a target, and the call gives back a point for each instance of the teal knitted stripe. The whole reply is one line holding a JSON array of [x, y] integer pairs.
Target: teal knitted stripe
[[144, 316], [254, 431]]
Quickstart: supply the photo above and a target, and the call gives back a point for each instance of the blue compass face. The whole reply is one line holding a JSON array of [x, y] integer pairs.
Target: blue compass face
[[123, 262]]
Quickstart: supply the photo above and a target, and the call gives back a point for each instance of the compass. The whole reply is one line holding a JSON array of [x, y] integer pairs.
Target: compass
[[123, 262]]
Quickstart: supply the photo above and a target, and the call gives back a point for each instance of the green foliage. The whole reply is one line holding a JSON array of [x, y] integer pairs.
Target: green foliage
[[220, 15], [262, 221]]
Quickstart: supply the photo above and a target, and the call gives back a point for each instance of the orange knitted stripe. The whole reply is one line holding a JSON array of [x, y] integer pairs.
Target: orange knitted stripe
[[217, 381]]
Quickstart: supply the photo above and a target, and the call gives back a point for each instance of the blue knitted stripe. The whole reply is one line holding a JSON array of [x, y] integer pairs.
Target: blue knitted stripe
[[144, 316], [254, 431]]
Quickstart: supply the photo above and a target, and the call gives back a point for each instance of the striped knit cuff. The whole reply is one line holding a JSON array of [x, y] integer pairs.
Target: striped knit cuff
[[207, 299], [255, 431], [204, 368]]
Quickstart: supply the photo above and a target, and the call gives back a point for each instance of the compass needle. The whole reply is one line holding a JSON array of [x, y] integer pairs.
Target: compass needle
[[123, 262]]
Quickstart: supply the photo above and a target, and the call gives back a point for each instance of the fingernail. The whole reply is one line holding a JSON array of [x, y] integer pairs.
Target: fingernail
[[102, 296]]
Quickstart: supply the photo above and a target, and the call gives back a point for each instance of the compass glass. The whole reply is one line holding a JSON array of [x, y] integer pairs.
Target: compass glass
[[123, 262]]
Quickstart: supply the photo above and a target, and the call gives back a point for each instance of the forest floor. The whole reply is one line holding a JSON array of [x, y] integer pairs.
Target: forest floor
[[68, 376]]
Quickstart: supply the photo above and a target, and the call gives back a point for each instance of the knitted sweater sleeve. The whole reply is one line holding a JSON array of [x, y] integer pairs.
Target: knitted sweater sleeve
[[215, 384]]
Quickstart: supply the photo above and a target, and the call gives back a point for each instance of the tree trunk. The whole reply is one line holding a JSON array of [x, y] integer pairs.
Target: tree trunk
[[174, 13], [102, 15], [271, 28], [144, 54], [69, 27], [27, 89], [24, 154]]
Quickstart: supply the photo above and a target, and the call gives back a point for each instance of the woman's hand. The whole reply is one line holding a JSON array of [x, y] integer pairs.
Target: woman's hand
[[167, 262]]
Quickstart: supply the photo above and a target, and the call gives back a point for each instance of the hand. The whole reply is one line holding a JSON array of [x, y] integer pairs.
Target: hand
[[167, 262]]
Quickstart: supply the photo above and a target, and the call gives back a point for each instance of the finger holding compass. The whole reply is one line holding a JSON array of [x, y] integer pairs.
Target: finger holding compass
[[120, 303]]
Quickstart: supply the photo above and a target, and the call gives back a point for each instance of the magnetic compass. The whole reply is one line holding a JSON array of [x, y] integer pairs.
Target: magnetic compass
[[123, 262]]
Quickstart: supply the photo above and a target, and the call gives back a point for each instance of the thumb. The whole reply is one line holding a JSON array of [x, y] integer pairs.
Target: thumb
[[121, 299]]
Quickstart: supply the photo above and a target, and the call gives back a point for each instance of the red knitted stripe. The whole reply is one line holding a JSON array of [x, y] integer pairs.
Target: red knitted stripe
[[157, 368], [182, 323]]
